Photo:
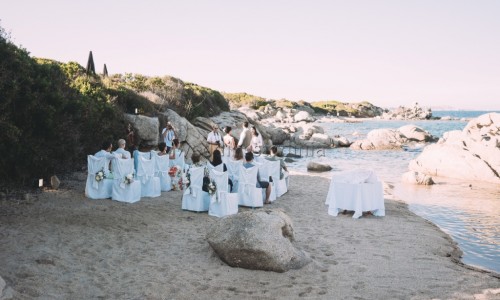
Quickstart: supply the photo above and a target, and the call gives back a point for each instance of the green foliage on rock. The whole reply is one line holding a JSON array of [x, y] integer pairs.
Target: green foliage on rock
[[243, 99]]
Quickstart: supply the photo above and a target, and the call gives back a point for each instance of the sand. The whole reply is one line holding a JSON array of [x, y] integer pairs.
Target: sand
[[61, 245]]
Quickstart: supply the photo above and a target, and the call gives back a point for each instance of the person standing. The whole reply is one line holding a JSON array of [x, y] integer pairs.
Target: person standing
[[245, 136], [214, 140], [229, 143], [256, 142], [168, 135]]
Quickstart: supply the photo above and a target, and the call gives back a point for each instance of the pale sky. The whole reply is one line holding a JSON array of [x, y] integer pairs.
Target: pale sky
[[387, 52]]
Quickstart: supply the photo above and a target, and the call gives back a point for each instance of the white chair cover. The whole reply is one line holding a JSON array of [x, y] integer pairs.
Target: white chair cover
[[222, 203], [121, 191], [280, 185], [265, 171], [248, 193], [162, 165], [219, 167], [150, 185], [178, 161], [194, 198], [233, 169], [93, 188]]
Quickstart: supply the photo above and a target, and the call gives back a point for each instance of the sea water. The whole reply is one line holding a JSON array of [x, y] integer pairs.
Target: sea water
[[468, 211]]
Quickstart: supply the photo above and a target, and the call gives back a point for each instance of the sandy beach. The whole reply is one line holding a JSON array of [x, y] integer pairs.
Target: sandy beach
[[61, 245]]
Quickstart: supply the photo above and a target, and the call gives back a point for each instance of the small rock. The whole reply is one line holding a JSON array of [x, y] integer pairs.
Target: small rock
[[318, 167], [55, 182]]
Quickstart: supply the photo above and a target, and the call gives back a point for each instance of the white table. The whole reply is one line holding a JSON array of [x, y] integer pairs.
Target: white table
[[359, 191]]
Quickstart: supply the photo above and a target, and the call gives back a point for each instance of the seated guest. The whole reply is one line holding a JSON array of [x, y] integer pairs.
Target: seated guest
[[238, 154], [162, 149], [217, 160], [260, 184], [105, 150], [121, 152], [273, 157], [195, 158]]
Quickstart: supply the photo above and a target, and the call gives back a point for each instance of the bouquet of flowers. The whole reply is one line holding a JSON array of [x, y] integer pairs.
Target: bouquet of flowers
[[129, 178], [100, 175], [174, 171], [212, 190], [186, 179]]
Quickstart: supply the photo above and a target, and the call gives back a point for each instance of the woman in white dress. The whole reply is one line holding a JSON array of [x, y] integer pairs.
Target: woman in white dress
[[257, 143], [229, 143]]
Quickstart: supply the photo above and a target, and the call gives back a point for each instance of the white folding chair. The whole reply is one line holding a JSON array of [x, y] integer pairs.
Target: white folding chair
[[98, 189], [280, 185], [178, 161], [125, 192], [194, 198], [162, 165], [150, 185], [265, 173], [222, 203], [233, 169], [248, 193]]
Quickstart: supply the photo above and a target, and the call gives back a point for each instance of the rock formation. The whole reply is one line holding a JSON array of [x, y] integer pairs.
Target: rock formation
[[392, 139], [408, 113], [257, 240], [145, 129], [471, 154]]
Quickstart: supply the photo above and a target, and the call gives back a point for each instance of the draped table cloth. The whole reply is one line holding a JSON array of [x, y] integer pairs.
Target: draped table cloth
[[358, 190]]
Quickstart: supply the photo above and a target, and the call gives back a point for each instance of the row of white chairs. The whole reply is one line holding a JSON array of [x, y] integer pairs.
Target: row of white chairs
[[244, 193], [150, 177]]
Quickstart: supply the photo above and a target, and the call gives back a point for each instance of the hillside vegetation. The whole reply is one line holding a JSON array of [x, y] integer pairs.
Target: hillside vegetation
[[52, 114]]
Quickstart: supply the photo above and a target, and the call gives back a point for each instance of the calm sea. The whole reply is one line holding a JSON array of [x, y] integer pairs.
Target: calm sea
[[468, 211]]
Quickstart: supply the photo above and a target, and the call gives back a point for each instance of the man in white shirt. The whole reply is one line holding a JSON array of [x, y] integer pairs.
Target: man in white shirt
[[121, 152], [106, 152], [214, 140], [245, 137]]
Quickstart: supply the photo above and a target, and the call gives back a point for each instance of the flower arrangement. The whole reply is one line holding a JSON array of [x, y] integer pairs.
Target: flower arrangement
[[129, 178], [100, 175], [174, 171], [186, 179], [212, 188], [212, 191]]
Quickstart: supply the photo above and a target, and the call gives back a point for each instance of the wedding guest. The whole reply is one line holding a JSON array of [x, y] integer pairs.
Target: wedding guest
[[238, 154], [105, 151], [195, 159], [272, 157], [175, 152], [168, 135], [256, 142], [229, 142], [121, 152], [217, 160], [245, 136], [214, 140], [260, 183], [162, 149]]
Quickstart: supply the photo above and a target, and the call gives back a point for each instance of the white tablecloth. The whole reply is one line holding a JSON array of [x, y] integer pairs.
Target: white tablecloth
[[356, 195]]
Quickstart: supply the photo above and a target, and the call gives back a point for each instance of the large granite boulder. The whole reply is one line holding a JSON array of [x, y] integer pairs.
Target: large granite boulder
[[303, 116], [192, 139], [321, 138], [415, 133], [471, 154], [145, 129], [380, 139], [316, 166], [341, 141], [257, 240]]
